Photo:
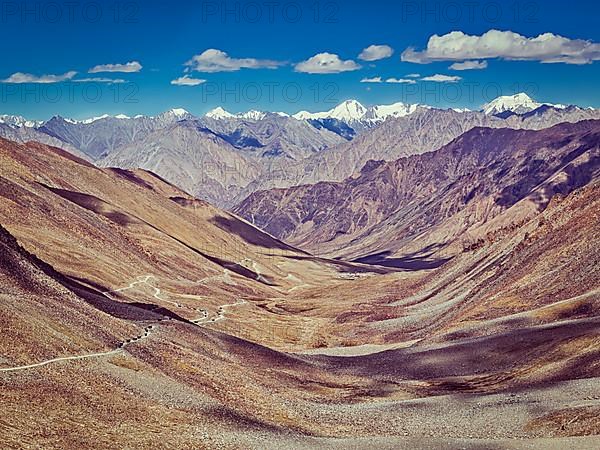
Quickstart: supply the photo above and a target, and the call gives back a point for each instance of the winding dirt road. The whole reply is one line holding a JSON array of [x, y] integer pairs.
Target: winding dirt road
[[221, 310], [145, 279], [204, 314], [120, 348]]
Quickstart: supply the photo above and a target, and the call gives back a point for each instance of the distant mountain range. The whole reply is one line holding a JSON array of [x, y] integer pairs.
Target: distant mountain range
[[422, 205], [127, 301], [224, 157]]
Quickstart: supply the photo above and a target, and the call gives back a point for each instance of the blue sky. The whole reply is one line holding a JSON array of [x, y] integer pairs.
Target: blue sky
[[54, 40]]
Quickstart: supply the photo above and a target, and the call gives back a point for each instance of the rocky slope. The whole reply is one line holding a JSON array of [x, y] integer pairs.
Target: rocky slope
[[272, 135], [242, 156], [423, 131], [218, 159], [151, 316], [26, 134], [100, 136], [224, 157], [393, 213]]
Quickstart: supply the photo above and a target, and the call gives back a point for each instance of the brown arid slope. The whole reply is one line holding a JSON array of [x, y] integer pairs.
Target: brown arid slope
[[418, 209], [136, 316], [40, 315]]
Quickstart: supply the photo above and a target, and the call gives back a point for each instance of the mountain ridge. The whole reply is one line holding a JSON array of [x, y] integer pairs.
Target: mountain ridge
[[357, 217], [256, 151], [347, 110]]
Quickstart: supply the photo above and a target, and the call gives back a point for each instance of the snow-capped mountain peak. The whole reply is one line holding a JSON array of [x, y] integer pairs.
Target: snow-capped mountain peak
[[178, 112], [91, 119], [219, 113], [518, 103], [175, 114], [305, 115], [348, 111], [252, 115], [352, 111], [18, 121], [380, 113]]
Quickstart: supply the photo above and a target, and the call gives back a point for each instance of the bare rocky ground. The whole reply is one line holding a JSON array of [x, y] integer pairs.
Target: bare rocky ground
[[123, 401], [498, 348]]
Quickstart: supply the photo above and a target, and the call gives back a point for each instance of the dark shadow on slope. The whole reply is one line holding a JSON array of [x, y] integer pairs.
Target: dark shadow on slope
[[505, 114], [121, 310], [538, 171], [83, 288], [239, 269], [130, 176], [405, 263], [190, 202], [239, 140], [578, 176], [336, 126], [343, 266], [99, 206], [498, 354], [531, 175], [96, 286], [250, 234], [95, 205], [93, 293], [234, 267], [162, 311], [420, 260]]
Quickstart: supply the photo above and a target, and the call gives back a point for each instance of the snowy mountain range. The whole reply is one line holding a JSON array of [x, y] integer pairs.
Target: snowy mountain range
[[220, 114], [349, 112], [353, 111], [223, 157], [517, 104], [19, 121]]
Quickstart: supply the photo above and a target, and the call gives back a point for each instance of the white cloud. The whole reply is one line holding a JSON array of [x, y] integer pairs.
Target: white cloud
[[186, 80], [438, 78], [100, 80], [326, 63], [372, 80], [413, 75], [469, 65], [130, 67], [20, 77], [389, 80], [376, 52], [547, 48], [213, 60], [400, 80]]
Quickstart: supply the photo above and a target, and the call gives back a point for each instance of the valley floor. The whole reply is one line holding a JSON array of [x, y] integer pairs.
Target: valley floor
[[135, 316], [128, 400]]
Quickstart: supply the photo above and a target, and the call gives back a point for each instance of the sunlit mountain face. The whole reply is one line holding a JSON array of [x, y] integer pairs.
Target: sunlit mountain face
[[266, 225]]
